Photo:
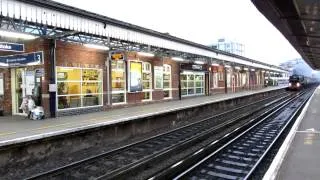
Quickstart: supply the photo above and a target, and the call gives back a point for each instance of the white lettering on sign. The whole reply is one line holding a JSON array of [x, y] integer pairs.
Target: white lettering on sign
[[197, 67], [5, 46], [15, 60]]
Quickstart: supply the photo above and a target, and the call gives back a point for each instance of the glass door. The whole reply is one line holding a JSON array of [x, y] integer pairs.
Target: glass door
[[23, 86]]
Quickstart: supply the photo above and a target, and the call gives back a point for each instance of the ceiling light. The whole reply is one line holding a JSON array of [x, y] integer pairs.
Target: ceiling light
[[17, 35], [145, 54], [177, 59], [227, 66], [237, 67], [95, 46], [215, 64], [246, 69], [252, 69], [198, 62]]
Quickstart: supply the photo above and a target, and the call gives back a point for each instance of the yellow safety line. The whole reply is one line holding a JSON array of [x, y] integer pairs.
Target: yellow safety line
[[50, 126], [7, 133]]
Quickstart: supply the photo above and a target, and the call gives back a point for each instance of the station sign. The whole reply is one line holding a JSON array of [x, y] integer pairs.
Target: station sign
[[214, 69], [15, 47], [39, 72], [220, 69], [193, 67], [197, 67], [117, 55], [26, 59]]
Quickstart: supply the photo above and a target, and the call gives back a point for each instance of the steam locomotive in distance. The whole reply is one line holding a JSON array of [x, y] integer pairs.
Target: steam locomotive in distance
[[297, 82]]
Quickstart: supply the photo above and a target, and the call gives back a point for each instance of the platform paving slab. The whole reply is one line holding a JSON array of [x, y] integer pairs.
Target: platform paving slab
[[302, 161], [15, 129]]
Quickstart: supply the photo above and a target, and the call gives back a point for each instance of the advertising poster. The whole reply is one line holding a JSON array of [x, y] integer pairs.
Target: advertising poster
[[29, 82], [135, 76], [1, 84], [158, 75]]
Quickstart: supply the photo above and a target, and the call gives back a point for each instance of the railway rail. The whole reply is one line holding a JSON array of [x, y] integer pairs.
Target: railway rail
[[244, 155], [133, 158]]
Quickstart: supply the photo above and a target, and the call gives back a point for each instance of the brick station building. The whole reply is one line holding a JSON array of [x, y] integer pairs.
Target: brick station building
[[88, 79]]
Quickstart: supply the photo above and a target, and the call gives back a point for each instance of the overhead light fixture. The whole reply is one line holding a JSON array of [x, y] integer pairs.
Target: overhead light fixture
[[17, 35], [252, 69], [177, 59], [215, 64], [145, 54], [237, 67], [198, 62], [246, 69], [263, 71], [95, 46], [227, 66]]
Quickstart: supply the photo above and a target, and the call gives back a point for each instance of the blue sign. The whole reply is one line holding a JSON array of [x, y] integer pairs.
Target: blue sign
[[27, 59], [5, 46]]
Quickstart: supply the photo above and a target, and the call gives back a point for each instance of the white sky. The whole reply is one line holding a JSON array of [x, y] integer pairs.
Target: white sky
[[201, 21]]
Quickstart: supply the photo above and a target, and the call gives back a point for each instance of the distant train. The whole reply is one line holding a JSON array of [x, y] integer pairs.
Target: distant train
[[297, 82]]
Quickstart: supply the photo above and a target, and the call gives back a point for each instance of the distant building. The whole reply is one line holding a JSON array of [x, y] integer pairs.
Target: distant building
[[230, 46]]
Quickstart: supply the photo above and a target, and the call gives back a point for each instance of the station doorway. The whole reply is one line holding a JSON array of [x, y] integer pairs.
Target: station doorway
[[24, 83]]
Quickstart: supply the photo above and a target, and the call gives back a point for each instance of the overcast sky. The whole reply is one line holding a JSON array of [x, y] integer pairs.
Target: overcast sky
[[201, 21]]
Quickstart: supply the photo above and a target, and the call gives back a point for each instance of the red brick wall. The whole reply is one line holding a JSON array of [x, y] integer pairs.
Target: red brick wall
[[6, 99], [75, 55]]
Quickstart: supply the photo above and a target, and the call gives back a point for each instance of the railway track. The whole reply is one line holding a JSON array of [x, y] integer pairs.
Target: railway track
[[133, 158], [244, 154]]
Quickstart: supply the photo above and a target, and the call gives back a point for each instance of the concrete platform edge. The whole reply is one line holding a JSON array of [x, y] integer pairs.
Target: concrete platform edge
[[95, 125], [273, 170]]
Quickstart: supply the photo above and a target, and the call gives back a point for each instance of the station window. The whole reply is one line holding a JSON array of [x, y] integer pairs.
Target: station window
[[167, 81], [215, 79], [220, 76], [228, 79], [192, 83], [147, 81], [118, 80], [78, 87]]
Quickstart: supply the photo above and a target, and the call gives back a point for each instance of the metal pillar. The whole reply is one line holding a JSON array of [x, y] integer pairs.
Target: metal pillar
[[225, 80], [179, 81]]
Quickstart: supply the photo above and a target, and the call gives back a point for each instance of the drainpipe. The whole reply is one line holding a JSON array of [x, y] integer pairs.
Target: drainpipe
[[52, 80]]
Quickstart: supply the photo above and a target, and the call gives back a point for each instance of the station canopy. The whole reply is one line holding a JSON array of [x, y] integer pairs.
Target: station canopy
[[299, 22], [52, 20]]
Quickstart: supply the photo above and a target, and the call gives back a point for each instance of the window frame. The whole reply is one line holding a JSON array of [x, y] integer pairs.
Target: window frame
[[145, 70], [167, 72], [124, 91], [80, 81]]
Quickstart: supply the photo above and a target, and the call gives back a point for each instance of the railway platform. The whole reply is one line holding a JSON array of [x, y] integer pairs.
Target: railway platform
[[17, 129], [298, 158]]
